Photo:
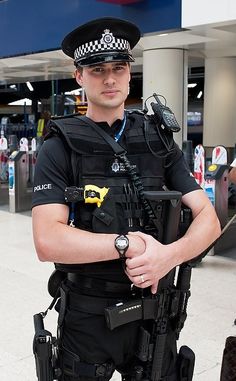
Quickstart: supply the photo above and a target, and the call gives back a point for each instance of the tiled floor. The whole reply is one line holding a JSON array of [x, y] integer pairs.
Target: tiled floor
[[211, 311]]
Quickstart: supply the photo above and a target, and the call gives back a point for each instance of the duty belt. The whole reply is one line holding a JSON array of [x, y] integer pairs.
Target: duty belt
[[93, 285]]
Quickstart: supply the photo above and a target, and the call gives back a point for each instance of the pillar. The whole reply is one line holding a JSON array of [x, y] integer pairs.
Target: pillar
[[165, 72], [219, 123]]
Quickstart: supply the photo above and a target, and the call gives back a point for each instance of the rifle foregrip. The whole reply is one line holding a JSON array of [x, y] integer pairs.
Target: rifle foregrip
[[158, 357]]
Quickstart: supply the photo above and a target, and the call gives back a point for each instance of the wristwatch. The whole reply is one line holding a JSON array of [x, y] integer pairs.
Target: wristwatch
[[121, 245]]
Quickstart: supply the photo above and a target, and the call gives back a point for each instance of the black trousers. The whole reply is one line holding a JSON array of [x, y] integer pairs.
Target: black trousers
[[84, 332]]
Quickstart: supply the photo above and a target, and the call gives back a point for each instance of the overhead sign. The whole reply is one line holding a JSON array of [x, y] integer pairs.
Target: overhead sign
[[120, 2], [45, 27]]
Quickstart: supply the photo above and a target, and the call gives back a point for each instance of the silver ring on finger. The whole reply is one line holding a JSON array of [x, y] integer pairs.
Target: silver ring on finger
[[142, 278]]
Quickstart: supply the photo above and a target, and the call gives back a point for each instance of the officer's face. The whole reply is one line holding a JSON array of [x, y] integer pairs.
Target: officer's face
[[106, 85]]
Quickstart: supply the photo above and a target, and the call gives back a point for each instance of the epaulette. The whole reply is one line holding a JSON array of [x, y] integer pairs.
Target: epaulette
[[135, 111], [58, 117], [53, 126]]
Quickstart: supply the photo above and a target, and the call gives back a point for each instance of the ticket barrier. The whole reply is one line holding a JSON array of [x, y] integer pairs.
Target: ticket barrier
[[20, 182], [4, 193], [216, 188], [3, 178]]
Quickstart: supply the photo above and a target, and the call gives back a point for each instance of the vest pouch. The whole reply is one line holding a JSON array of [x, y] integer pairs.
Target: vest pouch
[[109, 217]]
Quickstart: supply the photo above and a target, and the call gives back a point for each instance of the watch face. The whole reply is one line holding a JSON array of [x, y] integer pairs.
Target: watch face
[[121, 245], [121, 242]]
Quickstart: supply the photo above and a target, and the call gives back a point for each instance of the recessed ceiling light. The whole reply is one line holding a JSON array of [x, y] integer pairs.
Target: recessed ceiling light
[[30, 87], [199, 95]]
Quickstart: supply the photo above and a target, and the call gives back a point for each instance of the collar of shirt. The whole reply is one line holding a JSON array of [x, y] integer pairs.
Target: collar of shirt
[[113, 129]]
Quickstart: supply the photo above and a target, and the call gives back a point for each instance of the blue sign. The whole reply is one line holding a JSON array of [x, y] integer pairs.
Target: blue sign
[[34, 26]]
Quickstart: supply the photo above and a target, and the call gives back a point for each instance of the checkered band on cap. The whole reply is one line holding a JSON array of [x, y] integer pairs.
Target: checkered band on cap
[[93, 47]]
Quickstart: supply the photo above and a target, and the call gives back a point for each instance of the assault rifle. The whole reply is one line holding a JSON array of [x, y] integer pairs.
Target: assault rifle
[[164, 311], [168, 307]]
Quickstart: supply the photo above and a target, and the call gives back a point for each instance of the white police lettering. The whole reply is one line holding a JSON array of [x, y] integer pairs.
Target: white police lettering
[[42, 187]]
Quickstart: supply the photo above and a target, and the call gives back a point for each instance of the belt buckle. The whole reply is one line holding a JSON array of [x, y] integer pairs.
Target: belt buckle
[[104, 370], [100, 370]]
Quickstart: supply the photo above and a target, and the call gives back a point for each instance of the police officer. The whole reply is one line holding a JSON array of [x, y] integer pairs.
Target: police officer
[[108, 249]]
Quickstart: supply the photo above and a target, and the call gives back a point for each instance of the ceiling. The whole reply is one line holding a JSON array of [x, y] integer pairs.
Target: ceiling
[[214, 40]]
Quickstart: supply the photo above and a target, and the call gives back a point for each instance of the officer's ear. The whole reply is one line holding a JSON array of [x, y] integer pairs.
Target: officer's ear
[[130, 74], [79, 75]]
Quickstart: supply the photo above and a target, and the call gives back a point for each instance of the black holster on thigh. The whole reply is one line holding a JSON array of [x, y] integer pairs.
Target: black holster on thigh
[[228, 368], [185, 364]]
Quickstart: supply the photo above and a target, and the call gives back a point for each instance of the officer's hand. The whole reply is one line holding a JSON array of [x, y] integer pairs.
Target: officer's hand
[[137, 246], [148, 268]]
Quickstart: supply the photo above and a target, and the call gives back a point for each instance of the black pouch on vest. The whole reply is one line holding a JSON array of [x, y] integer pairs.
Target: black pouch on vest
[[108, 217], [54, 282]]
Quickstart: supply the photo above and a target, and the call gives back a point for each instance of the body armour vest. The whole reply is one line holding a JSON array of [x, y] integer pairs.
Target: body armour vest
[[114, 206]]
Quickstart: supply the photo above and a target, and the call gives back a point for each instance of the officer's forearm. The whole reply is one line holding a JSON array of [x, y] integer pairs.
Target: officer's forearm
[[204, 230], [70, 245], [55, 241]]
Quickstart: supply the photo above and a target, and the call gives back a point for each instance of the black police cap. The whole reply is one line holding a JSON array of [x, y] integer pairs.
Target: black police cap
[[102, 40]]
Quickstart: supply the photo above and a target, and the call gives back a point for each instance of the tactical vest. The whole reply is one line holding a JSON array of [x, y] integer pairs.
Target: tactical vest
[[95, 165]]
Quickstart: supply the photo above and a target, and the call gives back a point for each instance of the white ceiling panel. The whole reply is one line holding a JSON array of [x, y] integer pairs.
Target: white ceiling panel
[[21, 62], [214, 40], [29, 74]]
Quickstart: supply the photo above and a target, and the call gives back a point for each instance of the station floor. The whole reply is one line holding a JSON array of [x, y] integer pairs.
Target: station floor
[[211, 310]]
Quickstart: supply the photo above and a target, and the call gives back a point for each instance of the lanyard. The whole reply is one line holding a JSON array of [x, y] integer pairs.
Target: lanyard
[[118, 135]]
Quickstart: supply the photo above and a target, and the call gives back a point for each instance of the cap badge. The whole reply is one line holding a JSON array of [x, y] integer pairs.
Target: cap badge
[[107, 37]]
